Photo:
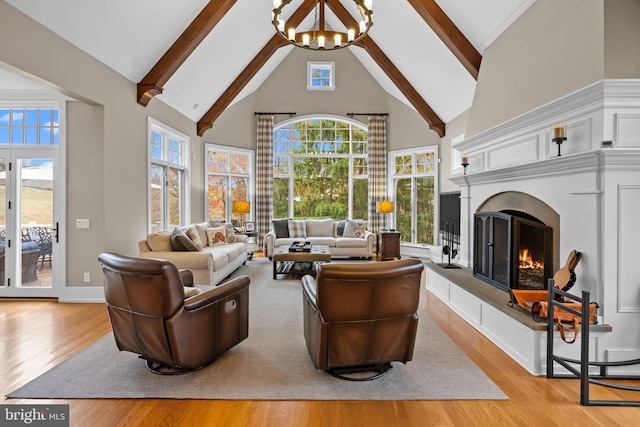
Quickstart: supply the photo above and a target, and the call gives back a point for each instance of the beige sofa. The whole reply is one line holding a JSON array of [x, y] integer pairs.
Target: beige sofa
[[210, 265], [322, 232]]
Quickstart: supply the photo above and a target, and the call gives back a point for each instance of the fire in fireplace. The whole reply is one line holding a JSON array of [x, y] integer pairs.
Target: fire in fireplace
[[530, 271], [512, 250]]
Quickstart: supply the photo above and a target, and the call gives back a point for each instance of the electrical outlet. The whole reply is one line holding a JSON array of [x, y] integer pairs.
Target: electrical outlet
[[87, 277], [82, 223]]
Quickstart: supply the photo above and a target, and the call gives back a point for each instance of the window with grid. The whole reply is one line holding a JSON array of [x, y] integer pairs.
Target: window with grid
[[320, 169], [413, 177], [321, 75], [228, 173], [29, 126], [168, 174]]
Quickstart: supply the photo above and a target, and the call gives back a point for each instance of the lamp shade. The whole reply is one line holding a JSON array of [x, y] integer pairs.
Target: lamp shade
[[241, 207], [385, 206]]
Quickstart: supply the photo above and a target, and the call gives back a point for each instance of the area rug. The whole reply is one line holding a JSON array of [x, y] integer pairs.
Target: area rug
[[272, 364]]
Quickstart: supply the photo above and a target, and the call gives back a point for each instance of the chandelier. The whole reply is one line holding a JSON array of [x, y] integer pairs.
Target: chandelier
[[319, 38]]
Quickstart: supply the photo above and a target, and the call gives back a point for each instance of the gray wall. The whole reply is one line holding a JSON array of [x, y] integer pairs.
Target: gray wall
[[356, 91], [553, 49], [107, 143], [622, 39]]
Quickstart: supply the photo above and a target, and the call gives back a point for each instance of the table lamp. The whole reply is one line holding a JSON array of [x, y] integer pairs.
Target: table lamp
[[242, 208], [385, 207]]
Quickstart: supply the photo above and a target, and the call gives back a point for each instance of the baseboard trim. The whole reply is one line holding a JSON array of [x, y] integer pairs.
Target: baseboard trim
[[82, 294]]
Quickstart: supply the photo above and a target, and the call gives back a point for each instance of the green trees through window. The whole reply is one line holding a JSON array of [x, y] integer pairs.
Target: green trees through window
[[320, 170], [413, 179]]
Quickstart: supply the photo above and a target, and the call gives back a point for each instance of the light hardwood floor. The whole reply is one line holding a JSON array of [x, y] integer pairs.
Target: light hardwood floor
[[37, 335]]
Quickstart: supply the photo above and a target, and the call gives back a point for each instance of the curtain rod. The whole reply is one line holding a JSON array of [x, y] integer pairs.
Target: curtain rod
[[257, 113], [367, 114]]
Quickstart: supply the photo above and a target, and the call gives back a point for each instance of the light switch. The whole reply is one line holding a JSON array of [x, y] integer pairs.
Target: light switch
[[82, 223]]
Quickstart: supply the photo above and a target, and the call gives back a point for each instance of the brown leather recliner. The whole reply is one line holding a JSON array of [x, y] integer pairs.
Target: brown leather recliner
[[362, 317], [151, 317]]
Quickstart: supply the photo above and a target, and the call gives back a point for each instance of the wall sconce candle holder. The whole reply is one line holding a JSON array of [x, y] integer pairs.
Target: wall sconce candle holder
[[559, 135]]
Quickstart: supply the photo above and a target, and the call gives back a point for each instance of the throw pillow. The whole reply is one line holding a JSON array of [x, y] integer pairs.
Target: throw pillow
[[194, 236], [230, 232], [181, 242], [160, 241], [355, 229], [340, 228], [216, 222], [320, 227], [201, 228], [297, 229], [190, 291], [281, 228], [216, 236]]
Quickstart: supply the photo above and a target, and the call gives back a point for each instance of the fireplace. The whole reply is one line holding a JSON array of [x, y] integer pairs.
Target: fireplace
[[512, 250]]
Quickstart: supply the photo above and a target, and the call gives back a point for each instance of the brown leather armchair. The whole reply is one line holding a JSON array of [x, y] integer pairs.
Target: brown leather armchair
[[362, 317], [151, 317]]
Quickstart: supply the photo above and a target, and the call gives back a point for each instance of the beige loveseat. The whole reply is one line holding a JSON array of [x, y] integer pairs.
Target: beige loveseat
[[358, 244], [210, 265]]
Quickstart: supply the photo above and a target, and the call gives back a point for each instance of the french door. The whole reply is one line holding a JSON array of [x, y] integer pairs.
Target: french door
[[29, 224]]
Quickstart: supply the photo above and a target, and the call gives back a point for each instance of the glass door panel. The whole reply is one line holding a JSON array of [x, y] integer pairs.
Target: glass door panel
[[3, 220], [37, 230], [28, 224]]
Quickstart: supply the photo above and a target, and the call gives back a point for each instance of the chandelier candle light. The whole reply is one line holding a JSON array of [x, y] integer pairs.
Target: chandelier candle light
[[318, 38]]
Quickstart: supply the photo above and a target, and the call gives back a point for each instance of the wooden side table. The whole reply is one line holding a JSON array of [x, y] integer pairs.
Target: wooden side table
[[388, 245], [252, 242]]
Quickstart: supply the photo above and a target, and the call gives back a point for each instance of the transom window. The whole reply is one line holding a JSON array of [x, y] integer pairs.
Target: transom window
[[168, 162], [29, 126], [320, 169]]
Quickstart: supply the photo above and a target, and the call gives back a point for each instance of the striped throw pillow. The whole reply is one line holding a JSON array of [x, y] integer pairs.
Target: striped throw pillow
[[297, 229]]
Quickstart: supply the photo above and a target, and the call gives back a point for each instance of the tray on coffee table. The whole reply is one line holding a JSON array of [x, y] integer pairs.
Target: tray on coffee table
[[300, 247]]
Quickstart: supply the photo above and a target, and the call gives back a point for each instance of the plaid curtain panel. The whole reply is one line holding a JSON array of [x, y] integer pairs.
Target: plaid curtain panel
[[377, 168], [264, 174]]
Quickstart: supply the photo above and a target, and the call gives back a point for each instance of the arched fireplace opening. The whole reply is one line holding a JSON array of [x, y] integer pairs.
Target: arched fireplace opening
[[512, 250]]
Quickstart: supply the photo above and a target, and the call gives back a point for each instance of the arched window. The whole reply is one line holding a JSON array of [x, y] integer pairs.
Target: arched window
[[320, 168]]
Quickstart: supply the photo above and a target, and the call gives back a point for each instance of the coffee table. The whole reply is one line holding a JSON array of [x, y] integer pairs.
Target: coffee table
[[285, 262]]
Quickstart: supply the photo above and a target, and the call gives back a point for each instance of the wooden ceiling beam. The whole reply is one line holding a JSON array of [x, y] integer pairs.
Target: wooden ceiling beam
[[276, 42], [427, 113], [383, 61], [450, 34], [206, 122], [152, 84]]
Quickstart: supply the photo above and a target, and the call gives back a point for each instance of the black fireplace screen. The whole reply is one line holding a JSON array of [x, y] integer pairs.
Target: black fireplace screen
[[512, 250]]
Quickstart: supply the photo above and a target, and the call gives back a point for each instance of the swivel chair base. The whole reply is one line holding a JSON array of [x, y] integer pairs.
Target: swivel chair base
[[161, 369], [380, 369]]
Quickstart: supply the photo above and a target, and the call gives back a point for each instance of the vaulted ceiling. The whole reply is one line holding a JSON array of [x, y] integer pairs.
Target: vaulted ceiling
[[201, 56]]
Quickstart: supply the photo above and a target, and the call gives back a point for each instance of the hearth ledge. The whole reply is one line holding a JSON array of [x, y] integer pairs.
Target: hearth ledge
[[513, 330]]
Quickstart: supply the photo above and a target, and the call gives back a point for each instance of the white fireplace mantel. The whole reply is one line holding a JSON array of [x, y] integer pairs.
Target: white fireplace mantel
[[594, 187]]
